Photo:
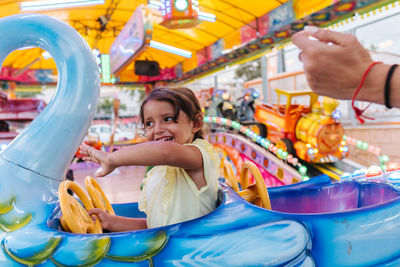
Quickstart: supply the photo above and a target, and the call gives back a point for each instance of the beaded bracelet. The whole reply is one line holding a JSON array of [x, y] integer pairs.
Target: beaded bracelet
[[387, 85]]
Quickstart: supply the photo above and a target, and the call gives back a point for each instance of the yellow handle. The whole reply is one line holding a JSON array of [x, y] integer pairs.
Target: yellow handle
[[97, 195], [230, 175], [259, 181], [74, 215]]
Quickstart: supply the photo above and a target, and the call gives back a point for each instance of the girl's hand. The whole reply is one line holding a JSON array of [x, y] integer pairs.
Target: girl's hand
[[91, 154], [106, 220]]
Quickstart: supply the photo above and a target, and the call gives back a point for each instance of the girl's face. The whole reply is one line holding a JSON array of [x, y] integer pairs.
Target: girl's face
[[159, 123]]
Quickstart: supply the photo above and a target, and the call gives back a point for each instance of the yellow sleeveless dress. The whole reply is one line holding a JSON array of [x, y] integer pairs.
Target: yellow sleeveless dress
[[170, 196]]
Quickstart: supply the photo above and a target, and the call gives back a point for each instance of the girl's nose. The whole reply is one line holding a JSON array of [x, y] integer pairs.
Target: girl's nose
[[158, 128]]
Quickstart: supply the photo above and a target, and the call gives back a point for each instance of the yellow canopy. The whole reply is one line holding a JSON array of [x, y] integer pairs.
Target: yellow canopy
[[231, 15]]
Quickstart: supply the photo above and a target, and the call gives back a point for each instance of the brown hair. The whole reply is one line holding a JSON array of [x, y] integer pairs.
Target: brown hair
[[181, 99]]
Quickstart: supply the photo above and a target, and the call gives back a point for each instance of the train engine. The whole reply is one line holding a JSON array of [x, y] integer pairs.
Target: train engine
[[310, 132]]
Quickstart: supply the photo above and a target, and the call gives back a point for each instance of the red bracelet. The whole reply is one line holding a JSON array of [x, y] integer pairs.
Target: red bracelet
[[359, 112]]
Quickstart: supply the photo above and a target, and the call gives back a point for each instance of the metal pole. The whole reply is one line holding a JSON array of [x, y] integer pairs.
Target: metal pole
[[281, 61], [264, 76], [215, 82]]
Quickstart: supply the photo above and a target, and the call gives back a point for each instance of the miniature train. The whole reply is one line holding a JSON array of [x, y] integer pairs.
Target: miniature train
[[312, 133]]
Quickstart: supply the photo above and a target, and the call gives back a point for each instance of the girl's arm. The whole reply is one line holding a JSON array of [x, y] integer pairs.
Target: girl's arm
[[146, 154], [158, 153], [122, 224], [116, 223], [150, 154]]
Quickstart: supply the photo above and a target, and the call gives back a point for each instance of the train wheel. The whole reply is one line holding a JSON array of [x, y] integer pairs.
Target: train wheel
[[229, 114], [249, 112], [286, 145], [259, 129]]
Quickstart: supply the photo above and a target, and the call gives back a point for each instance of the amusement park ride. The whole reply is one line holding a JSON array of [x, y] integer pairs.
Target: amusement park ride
[[15, 116], [314, 222], [308, 132], [312, 133]]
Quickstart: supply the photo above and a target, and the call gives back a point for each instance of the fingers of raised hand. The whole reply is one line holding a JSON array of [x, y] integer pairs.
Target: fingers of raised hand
[[90, 159], [300, 56], [301, 40], [88, 151], [85, 147], [100, 172]]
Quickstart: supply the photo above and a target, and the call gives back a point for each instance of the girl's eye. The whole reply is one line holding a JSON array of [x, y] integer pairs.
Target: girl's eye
[[148, 123], [168, 118]]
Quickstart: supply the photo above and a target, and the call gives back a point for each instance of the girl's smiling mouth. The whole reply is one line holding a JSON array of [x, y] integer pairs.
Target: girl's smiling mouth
[[165, 138]]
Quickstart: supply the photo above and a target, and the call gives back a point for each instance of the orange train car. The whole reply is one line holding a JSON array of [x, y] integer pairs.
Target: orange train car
[[309, 131]]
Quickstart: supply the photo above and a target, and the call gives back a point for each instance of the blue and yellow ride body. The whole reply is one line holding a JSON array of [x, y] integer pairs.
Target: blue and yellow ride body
[[312, 223]]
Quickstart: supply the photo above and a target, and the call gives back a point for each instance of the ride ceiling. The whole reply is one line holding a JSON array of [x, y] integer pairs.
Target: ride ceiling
[[242, 28]]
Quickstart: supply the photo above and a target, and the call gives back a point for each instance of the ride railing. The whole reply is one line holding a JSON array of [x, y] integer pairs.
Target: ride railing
[[364, 146], [286, 81], [263, 142]]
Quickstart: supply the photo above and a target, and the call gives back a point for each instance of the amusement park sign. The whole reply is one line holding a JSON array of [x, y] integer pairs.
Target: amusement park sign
[[130, 41]]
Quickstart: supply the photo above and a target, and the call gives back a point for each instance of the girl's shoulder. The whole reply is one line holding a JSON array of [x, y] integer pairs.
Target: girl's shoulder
[[156, 171], [206, 147], [203, 144], [200, 142]]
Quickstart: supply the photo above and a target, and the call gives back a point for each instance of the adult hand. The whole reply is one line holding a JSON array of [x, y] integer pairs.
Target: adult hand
[[98, 156], [334, 63]]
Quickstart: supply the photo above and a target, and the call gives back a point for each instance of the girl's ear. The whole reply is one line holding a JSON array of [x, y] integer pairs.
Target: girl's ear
[[198, 122]]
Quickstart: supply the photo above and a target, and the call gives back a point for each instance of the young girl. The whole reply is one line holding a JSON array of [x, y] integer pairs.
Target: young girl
[[183, 185]]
